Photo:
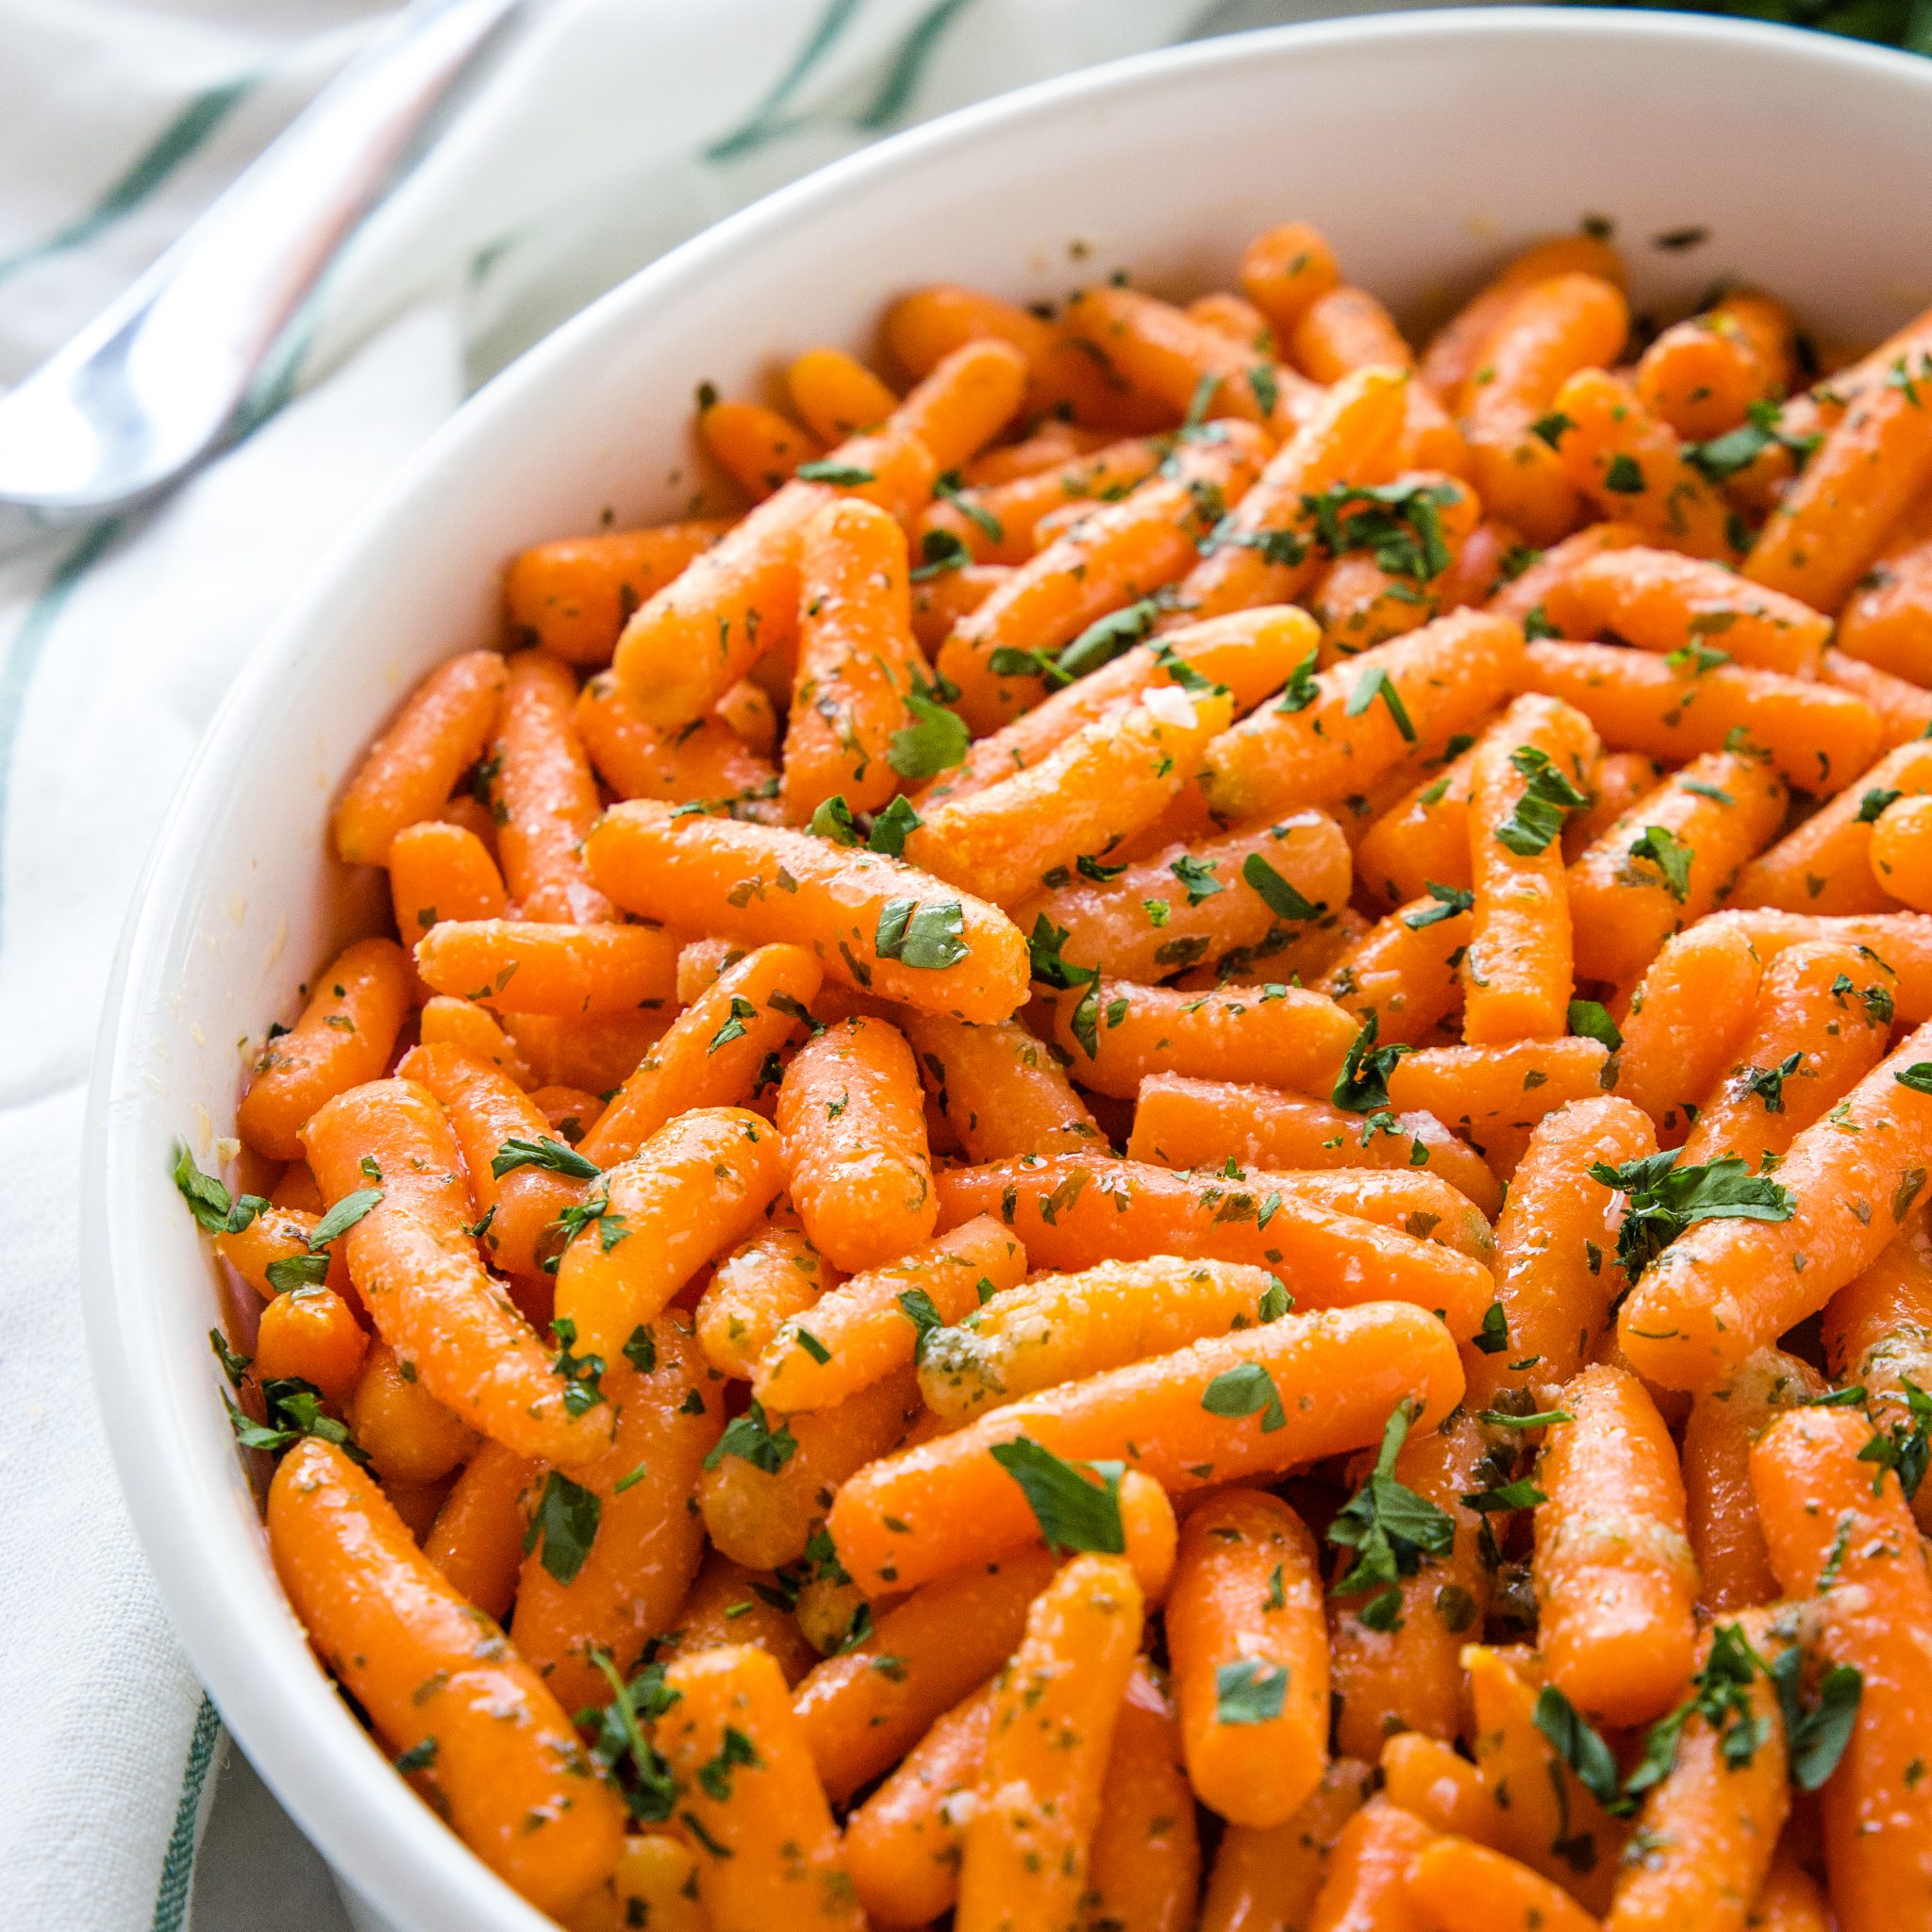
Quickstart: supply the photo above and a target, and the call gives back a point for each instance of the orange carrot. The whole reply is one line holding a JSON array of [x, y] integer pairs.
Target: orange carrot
[[1000, 1089], [1267, 1880], [437, 872], [1426, 1776], [1459, 1886], [637, 759], [1901, 842], [1285, 269], [757, 448], [1884, 620], [476, 1540], [774, 1274], [410, 1438], [527, 966], [1144, 1862], [545, 795], [1702, 375], [837, 395], [310, 1334], [1366, 1889], [572, 597]]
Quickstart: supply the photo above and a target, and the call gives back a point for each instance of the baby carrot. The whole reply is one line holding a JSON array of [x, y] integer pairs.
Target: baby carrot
[[1426, 1776], [1883, 622], [1620, 779], [278, 1234], [1001, 1089], [571, 598], [657, 1885], [757, 447], [1517, 973], [1632, 467], [1285, 269], [1123, 552], [1423, 838], [411, 1440], [1366, 1885], [1057, 1328], [1839, 1531], [946, 1639], [544, 795], [1818, 738], [856, 661], [1615, 1580], [477, 1031], [1667, 861], [868, 1327], [755, 1290], [708, 761], [1000, 522], [1899, 939], [310, 1334], [1791, 1900], [1724, 1289], [699, 1185], [1362, 600], [345, 1036], [1702, 375], [1075, 1211], [477, 1538], [1402, 972], [1904, 709], [615, 1586], [414, 765], [1542, 570], [1347, 329], [1056, 1707], [1271, 1878], [835, 394], [591, 1051], [1143, 1861], [1336, 1373], [964, 400], [766, 1488], [1166, 357], [527, 966], [414, 1263], [1249, 1642], [1553, 329], [1823, 1020], [1901, 846], [1051, 443], [1459, 1886], [438, 1682], [1354, 720], [716, 1052], [874, 922], [1490, 1091], [437, 872], [1184, 1122], [770, 1852]]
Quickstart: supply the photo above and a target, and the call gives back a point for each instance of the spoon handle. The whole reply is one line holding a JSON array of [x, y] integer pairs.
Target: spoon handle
[[148, 386]]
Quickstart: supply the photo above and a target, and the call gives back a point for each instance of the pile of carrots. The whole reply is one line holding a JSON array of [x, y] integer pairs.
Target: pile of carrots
[[1159, 1157]]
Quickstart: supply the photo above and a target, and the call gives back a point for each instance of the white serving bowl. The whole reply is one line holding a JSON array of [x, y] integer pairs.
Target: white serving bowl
[[1425, 145]]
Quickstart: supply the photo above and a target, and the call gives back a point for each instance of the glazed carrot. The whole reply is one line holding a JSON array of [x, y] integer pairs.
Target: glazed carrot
[[757, 448], [1366, 1889], [692, 640], [1268, 1879], [1422, 838], [1817, 737], [760, 1284], [1542, 570], [544, 795], [1884, 618], [865, 1328], [837, 395], [1904, 709], [1109, 779], [571, 1111], [1234, 316], [1661, 601], [1733, 1565], [571, 598], [637, 759], [1900, 842], [1285, 269], [1538, 1810], [1553, 329], [770, 1852], [296, 1191], [1249, 1641], [1723, 1289], [476, 1540], [410, 1438], [856, 661], [854, 1127], [730, 1603], [1402, 972], [1337, 1374], [999, 1087], [1347, 329], [1183, 1122], [344, 1036], [278, 1234], [625, 1587], [904, 1842], [1363, 601], [593, 1052], [1048, 446], [657, 1883], [414, 765], [765, 1489], [1394, 1659], [414, 1264], [860, 913], [1789, 1899], [1831, 523], [1265, 553], [997, 524], [1823, 1020], [1557, 1272], [946, 1639], [698, 1186], [437, 872], [1669, 860], [1899, 939], [476, 1031], [1492, 1090], [1615, 1580], [1058, 1329], [1428, 1778], [1620, 779], [1455, 349], [715, 1053], [1121, 553], [1686, 1019], [1284, 1036], [409, 1649], [1516, 974], [1145, 1859], [1165, 357], [311, 1334], [527, 966], [1632, 467], [1702, 375], [1824, 865], [1459, 1886], [1839, 1530], [964, 401], [1440, 678]]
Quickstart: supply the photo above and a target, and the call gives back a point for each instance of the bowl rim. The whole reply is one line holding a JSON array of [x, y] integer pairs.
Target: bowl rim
[[295, 1729]]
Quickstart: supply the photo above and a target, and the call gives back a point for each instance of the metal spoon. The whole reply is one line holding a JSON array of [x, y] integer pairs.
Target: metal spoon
[[145, 391]]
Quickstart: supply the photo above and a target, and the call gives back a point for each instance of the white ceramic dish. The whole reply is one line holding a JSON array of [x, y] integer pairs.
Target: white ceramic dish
[[1425, 145]]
